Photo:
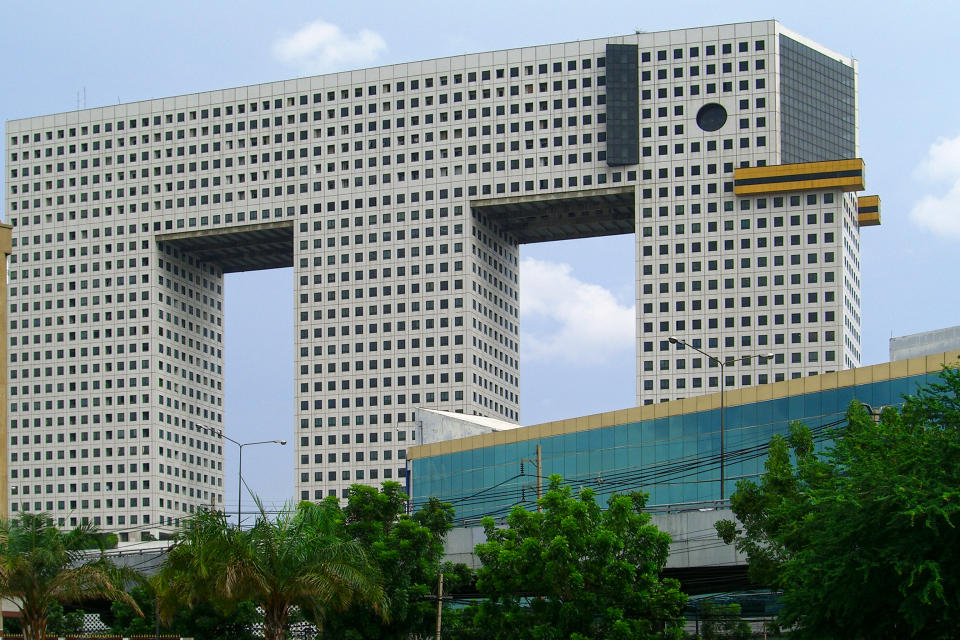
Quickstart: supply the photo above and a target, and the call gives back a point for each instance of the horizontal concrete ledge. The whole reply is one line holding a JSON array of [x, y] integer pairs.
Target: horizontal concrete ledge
[[249, 247], [547, 198], [587, 213], [246, 228]]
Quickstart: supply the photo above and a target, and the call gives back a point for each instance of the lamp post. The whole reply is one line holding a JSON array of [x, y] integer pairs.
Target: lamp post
[[241, 445], [240, 468], [723, 388]]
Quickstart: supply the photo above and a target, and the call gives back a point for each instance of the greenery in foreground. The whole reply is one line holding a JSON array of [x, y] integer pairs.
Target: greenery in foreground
[[59, 622], [600, 578], [43, 568], [204, 621], [862, 539], [575, 571], [403, 553], [407, 552], [293, 561], [722, 621], [367, 570]]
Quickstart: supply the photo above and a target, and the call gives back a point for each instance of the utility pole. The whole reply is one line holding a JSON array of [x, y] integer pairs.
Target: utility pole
[[439, 603], [156, 617], [723, 362], [539, 462], [539, 477]]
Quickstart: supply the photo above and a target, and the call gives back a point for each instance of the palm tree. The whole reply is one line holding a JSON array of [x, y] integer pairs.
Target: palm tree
[[294, 560], [41, 565]]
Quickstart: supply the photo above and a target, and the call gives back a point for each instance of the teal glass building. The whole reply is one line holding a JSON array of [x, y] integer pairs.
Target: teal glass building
[[670, 450]]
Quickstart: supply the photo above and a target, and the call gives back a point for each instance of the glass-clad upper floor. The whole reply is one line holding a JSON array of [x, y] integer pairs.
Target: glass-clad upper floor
[[671, 450]]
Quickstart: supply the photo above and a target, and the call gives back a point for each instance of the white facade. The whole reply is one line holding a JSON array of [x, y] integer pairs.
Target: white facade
[[372, 185]]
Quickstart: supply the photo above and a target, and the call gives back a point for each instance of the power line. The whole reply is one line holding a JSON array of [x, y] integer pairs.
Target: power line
[[661, 474]]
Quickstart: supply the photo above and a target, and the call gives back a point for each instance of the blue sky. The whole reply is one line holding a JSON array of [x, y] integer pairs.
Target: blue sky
[[909, 132]]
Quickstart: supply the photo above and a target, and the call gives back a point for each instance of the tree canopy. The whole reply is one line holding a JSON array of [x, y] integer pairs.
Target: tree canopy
[[203, 621], [862, 539], [407, 550], [42, 567], [294, 560], [577, 571]]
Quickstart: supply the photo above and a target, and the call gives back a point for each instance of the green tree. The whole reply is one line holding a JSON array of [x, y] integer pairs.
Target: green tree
[[294, 560], [577, 571], [63, 623], [719, 620], [42, 568], [125, 621], [863, 538], [204, 621], [457, 619], [59, 622], [407, 549]]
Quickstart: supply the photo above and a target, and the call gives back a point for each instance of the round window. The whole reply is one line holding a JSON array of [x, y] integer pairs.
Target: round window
[[711, 116]]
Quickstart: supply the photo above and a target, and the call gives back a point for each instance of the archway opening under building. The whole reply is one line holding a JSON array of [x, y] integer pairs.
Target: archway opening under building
[[264, 370], [258, 377], [577, 291]]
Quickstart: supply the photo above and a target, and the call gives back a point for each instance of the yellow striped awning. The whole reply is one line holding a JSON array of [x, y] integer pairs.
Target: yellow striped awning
[[847, 175], [868, 211]]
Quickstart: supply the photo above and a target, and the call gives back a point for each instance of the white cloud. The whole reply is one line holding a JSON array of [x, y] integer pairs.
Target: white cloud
[[323, 47], [940, 213], [575, 321]]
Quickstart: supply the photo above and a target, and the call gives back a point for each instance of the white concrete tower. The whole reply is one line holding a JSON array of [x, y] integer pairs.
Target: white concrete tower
[[400, 196]]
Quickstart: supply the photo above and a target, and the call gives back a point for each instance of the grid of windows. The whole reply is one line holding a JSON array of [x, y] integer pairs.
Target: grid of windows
[[737, 277], [405, 295], [775, 274]]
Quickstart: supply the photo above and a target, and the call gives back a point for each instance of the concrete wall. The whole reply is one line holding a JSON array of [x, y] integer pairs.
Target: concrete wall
[[925, 344], [695, 542], [440, 426]]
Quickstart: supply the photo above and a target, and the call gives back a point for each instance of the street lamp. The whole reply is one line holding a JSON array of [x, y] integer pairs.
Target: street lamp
[[241, 445], [240, 468], [722, 363]]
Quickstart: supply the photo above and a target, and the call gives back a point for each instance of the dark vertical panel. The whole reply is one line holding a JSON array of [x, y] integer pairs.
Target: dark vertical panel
[[623, 109], [817, 105]]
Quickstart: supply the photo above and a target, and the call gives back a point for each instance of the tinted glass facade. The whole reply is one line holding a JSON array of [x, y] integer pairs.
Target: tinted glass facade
[[623, 109], [674, 458], [818, 105]]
